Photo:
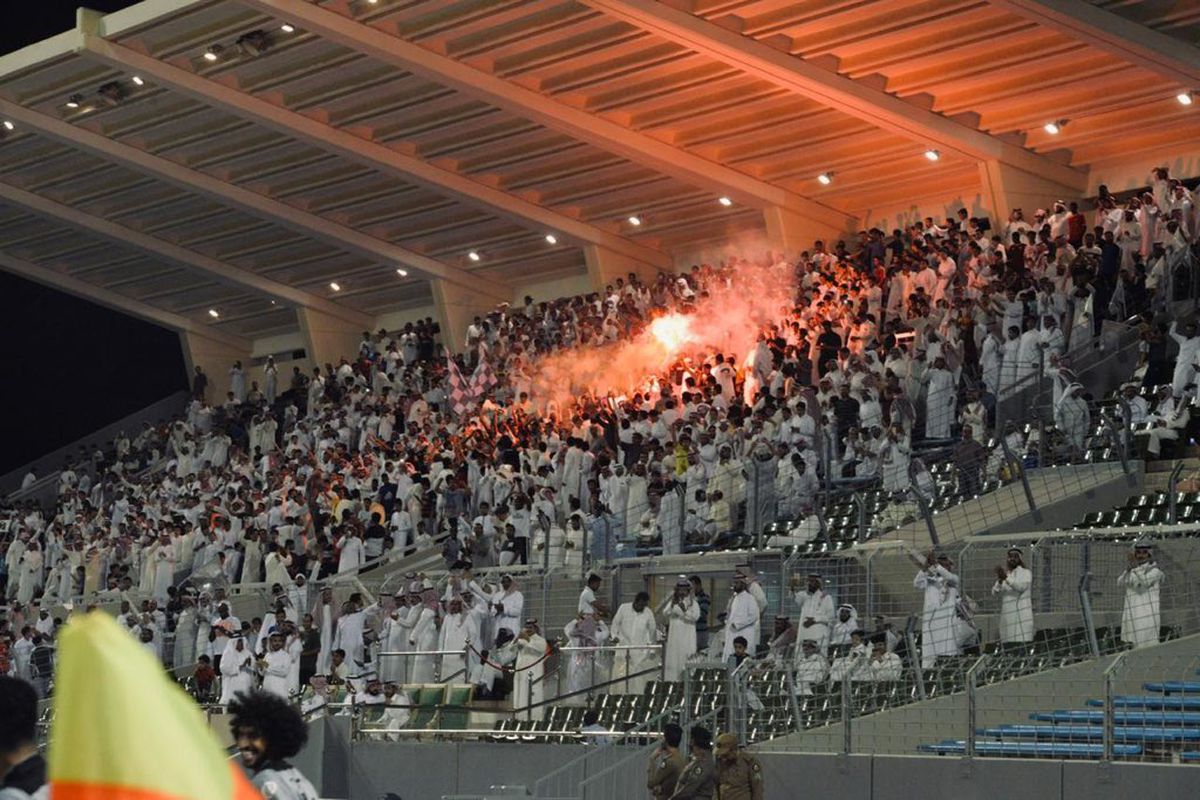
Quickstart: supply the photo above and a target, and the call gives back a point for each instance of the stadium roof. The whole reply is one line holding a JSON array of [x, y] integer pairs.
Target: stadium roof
[[242, 155]]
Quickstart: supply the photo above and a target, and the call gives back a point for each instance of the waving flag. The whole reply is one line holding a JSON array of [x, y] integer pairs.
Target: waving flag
[[123, 731], [460, 395]]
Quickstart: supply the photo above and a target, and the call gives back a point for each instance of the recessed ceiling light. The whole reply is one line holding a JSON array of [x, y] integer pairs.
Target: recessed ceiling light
[[137, 79], [725, 201], [213, 53], [1184, 98], [287, 28], [8, 125], [474, 256], [825, 178], [1055, 128], [212, 312], [551, 238], [74, 100], [635, 220], [334, 285], [403, 273], [932, 155]]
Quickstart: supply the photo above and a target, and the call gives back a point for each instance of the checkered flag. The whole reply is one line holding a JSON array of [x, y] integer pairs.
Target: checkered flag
[[461, 396], [483, 380]]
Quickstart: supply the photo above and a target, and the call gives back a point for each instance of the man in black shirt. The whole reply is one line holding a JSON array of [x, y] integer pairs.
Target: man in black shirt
[[828, 343], [20, 765]]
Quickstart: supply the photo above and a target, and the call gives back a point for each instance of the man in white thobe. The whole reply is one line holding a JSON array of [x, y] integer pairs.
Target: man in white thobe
[[507, 606], [939, 400], [741, 619], [816, 612], [459, 629], [681, 613], [276, 666], [349, 636], [530, 666], [940, 586], [237, 670], [1013, 584], [812, 668], [1143, 582], [634, 626]]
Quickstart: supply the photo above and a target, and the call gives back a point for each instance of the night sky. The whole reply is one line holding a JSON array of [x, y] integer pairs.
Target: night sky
[[71, 367]]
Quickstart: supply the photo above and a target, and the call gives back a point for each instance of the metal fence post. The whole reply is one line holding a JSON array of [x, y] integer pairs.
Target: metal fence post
[[910, 641], [972, 686], [927, 513], [1172, 485], [1085, 605], [1109, 712], [847, 740]]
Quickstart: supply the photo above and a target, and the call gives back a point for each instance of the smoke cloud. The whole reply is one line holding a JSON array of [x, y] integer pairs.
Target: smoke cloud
[[726, 318]]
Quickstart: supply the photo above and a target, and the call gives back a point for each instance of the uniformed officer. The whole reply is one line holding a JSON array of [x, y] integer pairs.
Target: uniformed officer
[[698, 781], [666, 763], [739, 774]]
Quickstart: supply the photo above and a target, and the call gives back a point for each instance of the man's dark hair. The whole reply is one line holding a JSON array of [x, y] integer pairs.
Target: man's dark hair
[[701, 737], [18, 709], [591, 717], [273, 718], [741, 640], [673, 734]]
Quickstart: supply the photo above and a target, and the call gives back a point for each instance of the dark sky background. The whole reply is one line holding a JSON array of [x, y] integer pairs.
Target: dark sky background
[[71, 367]]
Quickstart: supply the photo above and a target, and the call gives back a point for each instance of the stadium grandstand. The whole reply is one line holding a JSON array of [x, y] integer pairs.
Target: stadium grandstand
[[616, 398]]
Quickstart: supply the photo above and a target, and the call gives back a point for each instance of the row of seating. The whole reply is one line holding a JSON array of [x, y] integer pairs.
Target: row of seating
[[1156, 726], [1147, 509]]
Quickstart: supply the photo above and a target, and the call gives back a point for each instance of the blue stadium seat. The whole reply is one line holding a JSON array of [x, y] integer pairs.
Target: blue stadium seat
[[1153, 701], [1173, 687], [1067, 733], [1048, 749], [1120, 717], [1190, 756]]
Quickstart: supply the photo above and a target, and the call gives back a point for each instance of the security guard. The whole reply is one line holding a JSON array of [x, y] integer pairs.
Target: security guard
[[662, 773], [699, 778], [739, 774]]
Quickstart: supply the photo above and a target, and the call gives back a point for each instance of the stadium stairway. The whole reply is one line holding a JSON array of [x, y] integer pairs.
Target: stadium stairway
[[1162, 725], [941, 720]]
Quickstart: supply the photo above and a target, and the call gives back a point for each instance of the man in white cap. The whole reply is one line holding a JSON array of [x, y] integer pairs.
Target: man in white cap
[[816, 612], [1013, 584], [1140, 618]]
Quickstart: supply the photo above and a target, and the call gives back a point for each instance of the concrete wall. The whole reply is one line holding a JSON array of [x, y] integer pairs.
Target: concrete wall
[[431, 770], [888, 218], [1135, 173]]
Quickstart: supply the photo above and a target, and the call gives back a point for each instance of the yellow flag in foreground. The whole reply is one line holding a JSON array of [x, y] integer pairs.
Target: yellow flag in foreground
[[123, 731]]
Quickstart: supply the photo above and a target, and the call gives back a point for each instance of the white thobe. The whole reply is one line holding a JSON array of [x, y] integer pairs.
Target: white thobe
[[1016, 606], [458, 630], [681, 636], [939, 403], [633, 628], [741, 621], [275, 674], [237, 673], [424, 639], [940, 586], [818, 606], [528, 686], [1140, 616]]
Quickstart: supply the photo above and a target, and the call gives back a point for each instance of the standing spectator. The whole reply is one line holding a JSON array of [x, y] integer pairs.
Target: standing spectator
[[1013, 584], [970, 457], [1143, 583], [940, 587]]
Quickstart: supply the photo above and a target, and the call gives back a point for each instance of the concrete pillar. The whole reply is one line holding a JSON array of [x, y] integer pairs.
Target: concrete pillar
[[793, 234], [456, 307], [215, 358], [327, 340], [1005, 187], [604, 267]]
